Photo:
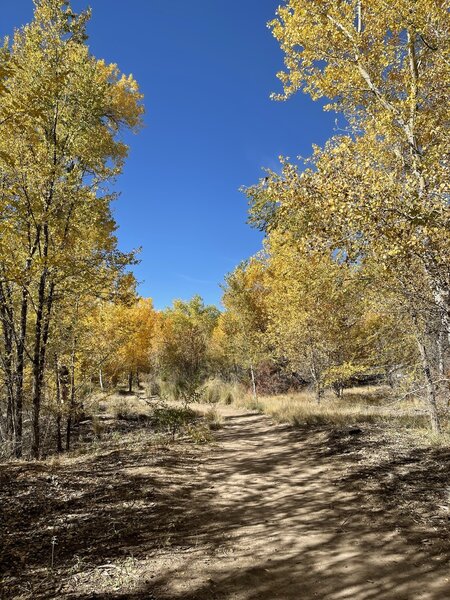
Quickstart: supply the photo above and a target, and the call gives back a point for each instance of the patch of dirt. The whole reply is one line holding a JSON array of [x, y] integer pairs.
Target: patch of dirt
[[265, 513]]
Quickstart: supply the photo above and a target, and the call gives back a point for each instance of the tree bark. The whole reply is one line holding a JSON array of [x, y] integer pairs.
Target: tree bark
[[8, 334], [338, 389], [59, 446], [19, 373], [252, 373], [430, 387], [44, 308], [72, 399], [359, 23], [130, 382], [37, 379], [316, 376], [441, 357], [319, 392]]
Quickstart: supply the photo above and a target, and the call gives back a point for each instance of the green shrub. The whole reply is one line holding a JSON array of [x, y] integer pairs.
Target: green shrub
[[199, 433], [170, 419]]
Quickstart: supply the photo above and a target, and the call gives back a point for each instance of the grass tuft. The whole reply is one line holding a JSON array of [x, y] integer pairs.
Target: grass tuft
[[216, 391]]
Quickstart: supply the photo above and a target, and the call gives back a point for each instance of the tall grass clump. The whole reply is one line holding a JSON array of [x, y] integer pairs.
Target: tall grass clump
[[213, 418], [217, 391]]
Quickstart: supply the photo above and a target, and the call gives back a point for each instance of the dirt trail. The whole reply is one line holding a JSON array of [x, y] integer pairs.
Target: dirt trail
[[266, 513], [282, 520]]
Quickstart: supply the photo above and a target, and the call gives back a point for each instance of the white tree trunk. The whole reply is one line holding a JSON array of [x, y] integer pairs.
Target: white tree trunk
[[253, 382]]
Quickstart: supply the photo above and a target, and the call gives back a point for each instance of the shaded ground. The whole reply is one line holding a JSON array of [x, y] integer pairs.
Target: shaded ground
[[266, 513]]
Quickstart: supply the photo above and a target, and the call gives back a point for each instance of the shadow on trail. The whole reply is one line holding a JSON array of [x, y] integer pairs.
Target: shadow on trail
[[101, 509], [270, 513]]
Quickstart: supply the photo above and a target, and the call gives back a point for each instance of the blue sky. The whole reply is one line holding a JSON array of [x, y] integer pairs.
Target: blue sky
[[206, 68]]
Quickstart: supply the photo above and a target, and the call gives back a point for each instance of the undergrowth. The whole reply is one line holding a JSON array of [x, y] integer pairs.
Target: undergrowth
[[368, 405]]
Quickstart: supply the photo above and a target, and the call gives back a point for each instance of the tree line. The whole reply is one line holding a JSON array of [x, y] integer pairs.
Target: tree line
[[61, 113], [352, 283], [359, 232]]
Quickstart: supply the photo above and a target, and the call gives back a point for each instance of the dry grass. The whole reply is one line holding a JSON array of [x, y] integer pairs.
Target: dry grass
[[213, 418], [216, 391], [370, 404], [127, 406], [359, 405]]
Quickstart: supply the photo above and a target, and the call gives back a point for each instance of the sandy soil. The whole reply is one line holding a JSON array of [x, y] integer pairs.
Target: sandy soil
[[264, 513]]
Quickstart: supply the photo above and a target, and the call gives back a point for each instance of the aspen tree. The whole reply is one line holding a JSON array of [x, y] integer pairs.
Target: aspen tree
[[60, 112]]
